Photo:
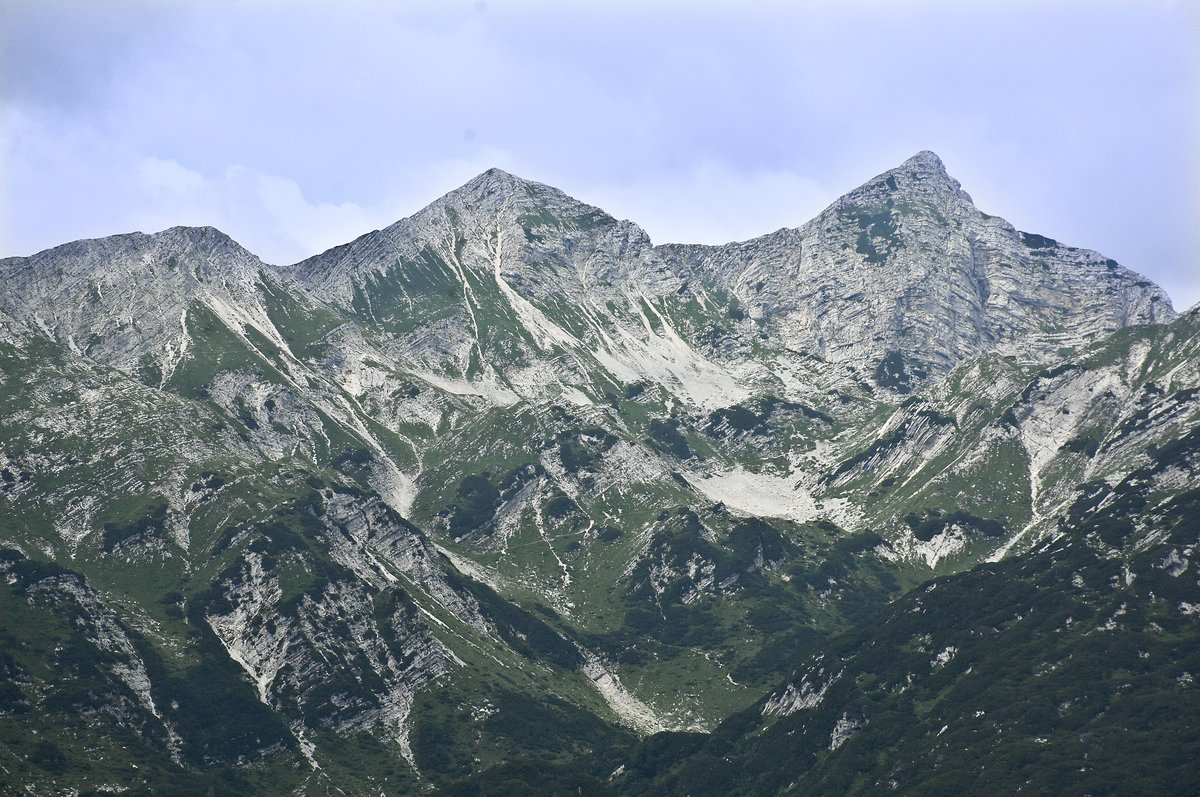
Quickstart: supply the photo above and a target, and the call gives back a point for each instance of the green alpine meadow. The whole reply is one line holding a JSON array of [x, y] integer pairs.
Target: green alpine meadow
[[507, 499]]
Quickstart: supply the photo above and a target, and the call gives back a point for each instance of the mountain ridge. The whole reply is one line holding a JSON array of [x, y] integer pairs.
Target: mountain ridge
[[505, 482]]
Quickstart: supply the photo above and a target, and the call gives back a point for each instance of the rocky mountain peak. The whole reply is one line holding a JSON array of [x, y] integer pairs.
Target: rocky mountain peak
[[120, 298], [207, 253], [925, 161], [920, 183], [202, 238], [499, 198], [924, 167], [490, 186], [492, 217], [904, 270], [901, 279]]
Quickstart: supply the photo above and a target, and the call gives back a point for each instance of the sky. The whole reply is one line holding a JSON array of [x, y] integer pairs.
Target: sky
[[298, 126]]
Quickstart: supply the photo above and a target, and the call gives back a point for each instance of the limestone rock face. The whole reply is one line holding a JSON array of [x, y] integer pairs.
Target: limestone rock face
[[494, 282], [900, 280], [906, 264], [122, 300], [547, 243]]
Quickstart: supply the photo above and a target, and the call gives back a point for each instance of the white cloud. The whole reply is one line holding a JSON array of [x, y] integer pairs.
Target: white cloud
[[311, 226], [713, 203], [290, 125], [167, 179]]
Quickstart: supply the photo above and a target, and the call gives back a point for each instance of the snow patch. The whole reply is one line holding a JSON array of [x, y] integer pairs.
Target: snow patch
[[470, 568], [576, 397], [307, 748], [174, 354]]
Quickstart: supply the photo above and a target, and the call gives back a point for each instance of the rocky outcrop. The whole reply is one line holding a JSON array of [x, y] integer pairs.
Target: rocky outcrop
[[904, 278], [124, 300]]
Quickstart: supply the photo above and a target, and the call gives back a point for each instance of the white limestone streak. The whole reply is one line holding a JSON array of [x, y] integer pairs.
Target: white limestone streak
[[808, 694], [631, 711], [545, 333]]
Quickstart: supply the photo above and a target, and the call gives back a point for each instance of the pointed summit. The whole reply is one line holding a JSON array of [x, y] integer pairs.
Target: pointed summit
[[497, 198], [924, 168], [466, 232], [493, 181], [920, 179], [924, 161], [497, 183], [495, 188]]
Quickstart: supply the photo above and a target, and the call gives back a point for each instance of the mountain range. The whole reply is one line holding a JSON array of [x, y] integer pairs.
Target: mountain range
[[504, 498]]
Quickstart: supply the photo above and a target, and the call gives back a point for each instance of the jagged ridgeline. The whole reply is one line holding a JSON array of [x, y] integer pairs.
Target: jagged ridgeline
[[505, 498]]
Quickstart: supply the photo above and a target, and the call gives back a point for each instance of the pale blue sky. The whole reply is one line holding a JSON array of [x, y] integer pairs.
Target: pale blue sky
[[298, 126]]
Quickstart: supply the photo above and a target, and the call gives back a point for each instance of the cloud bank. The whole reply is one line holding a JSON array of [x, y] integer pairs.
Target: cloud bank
[[295, 127]]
